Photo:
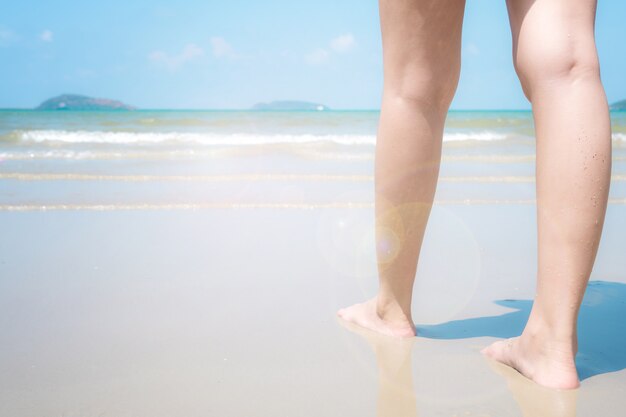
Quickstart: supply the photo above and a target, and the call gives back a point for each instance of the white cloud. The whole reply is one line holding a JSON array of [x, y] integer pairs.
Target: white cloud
[[342, 43], [317, 57], [190, 52], [46, 36], [221, 48], [338, 45]]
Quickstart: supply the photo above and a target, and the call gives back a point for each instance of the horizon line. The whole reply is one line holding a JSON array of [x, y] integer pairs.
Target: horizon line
[[245, 109], [216, 109]]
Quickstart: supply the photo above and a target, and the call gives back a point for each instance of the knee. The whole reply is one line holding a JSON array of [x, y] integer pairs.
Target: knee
[[548, 66], [426, 88]]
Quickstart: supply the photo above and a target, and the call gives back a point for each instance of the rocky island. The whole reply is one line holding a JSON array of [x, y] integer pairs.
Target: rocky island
[[620, 105], [79, 102], [290, 105]]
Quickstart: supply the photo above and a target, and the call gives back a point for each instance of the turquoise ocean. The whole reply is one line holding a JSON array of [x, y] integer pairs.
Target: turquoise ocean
[[73, 158], [87, 134]]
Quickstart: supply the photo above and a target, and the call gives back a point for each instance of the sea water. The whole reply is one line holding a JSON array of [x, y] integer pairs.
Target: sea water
[[32, 133], [145, 155]]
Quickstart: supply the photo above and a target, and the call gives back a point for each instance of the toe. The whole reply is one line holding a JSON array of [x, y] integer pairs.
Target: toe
[[494, 350]]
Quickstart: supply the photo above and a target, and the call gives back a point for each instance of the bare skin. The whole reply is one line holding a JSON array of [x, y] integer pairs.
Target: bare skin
[[366, 315], [422, 54], [555, 58]]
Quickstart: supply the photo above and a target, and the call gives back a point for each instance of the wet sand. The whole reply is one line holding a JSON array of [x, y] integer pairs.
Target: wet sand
[[231, 312]]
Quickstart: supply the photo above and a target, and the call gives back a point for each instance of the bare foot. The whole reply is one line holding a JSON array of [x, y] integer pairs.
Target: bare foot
[[548, 364], [367, 315]]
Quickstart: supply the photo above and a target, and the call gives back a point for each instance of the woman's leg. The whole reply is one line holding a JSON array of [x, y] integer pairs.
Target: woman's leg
[[555, 57], [421, 55]]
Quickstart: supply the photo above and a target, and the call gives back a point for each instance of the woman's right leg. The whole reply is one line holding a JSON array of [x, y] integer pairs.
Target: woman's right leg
[[556, 59], [422, 56]]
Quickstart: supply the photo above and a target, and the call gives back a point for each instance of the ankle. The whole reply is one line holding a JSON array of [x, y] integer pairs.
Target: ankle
[[391, 311], [550, 340]]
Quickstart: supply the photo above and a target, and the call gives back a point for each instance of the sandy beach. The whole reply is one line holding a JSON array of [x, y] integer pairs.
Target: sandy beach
[[209, 287]]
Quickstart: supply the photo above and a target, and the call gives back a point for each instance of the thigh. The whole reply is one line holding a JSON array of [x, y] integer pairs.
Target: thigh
[[421, 38]]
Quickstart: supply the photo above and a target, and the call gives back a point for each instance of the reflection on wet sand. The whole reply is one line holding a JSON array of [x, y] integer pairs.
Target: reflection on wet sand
[[533, 399], [396, 390], [396, 393]]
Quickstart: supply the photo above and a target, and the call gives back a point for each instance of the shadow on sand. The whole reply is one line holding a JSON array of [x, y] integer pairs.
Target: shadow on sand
[[601, 327]]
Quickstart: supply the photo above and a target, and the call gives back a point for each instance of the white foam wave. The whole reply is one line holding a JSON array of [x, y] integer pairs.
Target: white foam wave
[[473, 135], [619, 136], [210, 139], [213, 139], [233, 139]]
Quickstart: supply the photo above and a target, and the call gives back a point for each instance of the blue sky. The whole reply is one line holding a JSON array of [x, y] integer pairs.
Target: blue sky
[[232, 54]]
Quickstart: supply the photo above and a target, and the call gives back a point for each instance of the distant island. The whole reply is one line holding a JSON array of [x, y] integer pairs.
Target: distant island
[[290, 105], [78, 102], [620, 105]]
